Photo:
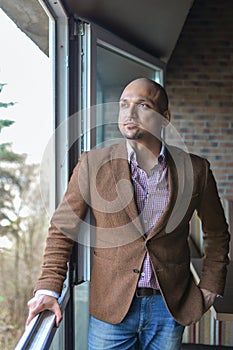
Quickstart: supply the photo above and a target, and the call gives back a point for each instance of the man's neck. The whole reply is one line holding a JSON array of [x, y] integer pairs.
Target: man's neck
[[149, 149], [146, 156]]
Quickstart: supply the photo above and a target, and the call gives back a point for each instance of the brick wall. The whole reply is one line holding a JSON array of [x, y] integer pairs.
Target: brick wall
[[199, 83]]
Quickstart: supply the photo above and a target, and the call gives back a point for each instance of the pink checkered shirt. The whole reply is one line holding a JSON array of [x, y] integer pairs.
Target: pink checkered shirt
[[151, 195]]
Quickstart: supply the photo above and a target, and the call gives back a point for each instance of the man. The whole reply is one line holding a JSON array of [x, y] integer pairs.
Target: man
[[142, 194]]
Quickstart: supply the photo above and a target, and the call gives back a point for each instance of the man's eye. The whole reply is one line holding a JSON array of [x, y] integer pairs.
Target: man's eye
[[144, 105], [123, 105]]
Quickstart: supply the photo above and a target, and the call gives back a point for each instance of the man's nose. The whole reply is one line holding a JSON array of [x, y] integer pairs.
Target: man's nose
[[132, 111]]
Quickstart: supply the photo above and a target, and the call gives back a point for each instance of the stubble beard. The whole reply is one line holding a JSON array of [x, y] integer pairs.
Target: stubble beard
[[132, 134]]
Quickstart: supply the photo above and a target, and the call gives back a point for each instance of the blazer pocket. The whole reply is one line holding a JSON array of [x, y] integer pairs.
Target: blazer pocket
[[104, 255]]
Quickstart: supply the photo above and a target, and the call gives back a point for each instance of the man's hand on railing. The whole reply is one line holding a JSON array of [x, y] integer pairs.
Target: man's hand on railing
[[209, 298], [41, 303]]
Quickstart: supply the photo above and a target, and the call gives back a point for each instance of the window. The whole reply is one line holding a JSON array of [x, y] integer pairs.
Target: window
[[27, 119], [107, 65]]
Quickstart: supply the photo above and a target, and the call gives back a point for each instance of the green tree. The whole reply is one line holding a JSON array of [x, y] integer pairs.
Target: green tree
[[19, 266], [22, 221], [8, 161]]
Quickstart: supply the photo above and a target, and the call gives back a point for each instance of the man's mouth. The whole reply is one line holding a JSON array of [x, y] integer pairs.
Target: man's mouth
[[130, 124]]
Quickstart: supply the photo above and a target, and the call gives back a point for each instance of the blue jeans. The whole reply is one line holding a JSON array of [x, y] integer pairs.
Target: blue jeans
[[147, 326]]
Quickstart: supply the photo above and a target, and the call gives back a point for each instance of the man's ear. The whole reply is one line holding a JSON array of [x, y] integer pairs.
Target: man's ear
[[167, 118]]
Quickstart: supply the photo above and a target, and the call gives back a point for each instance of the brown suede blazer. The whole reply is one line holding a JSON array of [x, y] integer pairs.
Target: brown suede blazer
[[101, 181]]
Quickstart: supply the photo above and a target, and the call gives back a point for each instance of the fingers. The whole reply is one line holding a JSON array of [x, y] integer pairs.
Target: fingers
[[58, 314], [209, 297], [41, 303]]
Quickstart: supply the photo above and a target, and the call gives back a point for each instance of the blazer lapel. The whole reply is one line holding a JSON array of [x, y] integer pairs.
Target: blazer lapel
[[180, 180], [184, 182], [173, 186], [179, 171], [121, 173]]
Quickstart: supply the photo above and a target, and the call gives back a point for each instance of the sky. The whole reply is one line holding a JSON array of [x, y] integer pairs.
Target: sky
[[27, 72]]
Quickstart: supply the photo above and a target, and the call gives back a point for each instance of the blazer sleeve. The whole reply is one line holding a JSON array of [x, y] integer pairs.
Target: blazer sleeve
[[215, 235], [63, 230]]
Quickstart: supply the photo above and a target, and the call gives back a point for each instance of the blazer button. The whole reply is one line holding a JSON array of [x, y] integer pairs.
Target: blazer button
[[136, 271]]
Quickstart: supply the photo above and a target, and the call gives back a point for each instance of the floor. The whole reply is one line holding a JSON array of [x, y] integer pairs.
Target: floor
[[204, 347]]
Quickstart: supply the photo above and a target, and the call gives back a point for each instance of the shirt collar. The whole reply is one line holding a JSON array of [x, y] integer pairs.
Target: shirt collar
[[161, 158]]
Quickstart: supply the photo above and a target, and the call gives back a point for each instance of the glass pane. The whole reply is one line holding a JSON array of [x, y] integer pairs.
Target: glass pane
[[81, 300], [114, 72], [26, 123]]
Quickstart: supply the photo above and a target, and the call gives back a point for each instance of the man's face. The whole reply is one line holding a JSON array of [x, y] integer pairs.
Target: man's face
[[139, 116]]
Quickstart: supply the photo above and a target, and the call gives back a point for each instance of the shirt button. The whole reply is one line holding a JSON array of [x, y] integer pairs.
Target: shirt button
[[143, 274], [136, 271]]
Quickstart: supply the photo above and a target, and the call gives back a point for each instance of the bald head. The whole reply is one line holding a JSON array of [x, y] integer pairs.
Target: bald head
[[155, 91]]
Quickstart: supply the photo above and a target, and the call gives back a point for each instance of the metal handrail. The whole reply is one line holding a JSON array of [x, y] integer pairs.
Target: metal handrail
[[41, 330]]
